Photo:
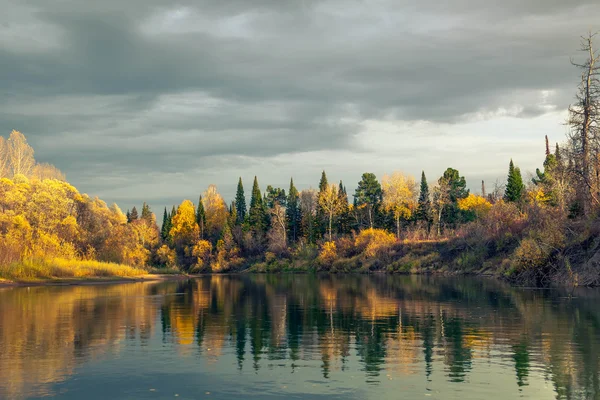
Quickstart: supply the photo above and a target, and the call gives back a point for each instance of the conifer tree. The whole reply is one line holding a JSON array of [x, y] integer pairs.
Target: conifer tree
[[344, 221], [201, 217], [320, 216], [128, 215], [146, 213], [369, 195], [257, 214], [133, 216], [424, 209], [240, 203], [514, 186], [232, 217], [293, 214], [164, 231]]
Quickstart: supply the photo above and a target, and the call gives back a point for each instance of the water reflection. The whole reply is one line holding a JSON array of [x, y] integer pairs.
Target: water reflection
[[377, 334]]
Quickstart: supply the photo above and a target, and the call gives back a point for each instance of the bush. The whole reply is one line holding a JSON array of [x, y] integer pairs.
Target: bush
[[374, 242]]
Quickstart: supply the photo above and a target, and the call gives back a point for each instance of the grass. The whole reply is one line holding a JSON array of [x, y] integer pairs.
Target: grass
[[57, 268]]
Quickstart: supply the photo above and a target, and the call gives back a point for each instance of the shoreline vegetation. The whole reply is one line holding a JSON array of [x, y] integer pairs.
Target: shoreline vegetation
[[541, 231]]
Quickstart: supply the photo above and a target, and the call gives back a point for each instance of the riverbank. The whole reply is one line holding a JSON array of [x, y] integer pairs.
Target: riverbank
[[96, 280]]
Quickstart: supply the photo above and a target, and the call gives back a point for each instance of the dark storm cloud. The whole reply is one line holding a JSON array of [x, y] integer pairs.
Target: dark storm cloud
[[138, 87]]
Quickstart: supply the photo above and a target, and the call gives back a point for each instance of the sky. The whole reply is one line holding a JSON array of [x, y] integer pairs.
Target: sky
[[149, 100]]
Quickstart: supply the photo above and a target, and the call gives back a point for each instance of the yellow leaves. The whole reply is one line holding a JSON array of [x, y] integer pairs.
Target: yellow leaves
[[373, 241], [537, 196], [185, 229], [399, 194], [202, 250], [474, 203], [215, 211], [328, 253]]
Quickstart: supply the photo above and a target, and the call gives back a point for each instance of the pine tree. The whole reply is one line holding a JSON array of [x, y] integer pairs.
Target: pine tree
[[133, 216], [514, 186], [344, 221], [321, 223], [128, 215], [164, 231], [240, 203], [147, 213], [369, 195], [232, 218], [201, 217], [424, 210], [547, 147], [257, 214], [293, 213]]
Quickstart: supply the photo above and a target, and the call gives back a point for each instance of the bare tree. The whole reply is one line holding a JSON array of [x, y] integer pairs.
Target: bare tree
[[20, 154], [584, 121]]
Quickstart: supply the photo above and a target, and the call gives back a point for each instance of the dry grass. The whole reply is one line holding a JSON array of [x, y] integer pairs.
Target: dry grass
[[32, 270]]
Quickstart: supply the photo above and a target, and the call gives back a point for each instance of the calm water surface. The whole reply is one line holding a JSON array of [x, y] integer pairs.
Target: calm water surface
[[299, 336]]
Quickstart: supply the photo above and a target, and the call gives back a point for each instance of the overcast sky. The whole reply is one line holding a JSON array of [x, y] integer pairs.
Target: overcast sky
[[148, 100]]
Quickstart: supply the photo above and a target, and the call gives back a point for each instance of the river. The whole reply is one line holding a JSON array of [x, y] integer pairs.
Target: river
[[299, 336]]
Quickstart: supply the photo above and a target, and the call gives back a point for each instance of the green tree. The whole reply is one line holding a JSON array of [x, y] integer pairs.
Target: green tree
[[133, 215], [424, 209], [344, 218], [240, 203], [257, 217], [201, 218], [451, 188], [164, 232], [514, 186], [369, 196], [293, 213], [147, 214], [275, 196]]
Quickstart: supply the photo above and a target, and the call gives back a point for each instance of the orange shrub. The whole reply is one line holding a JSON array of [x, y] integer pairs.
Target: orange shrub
[[372, 242], [328, 253]]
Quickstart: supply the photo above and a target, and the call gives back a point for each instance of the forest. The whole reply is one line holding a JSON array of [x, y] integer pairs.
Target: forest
[[541, 231]]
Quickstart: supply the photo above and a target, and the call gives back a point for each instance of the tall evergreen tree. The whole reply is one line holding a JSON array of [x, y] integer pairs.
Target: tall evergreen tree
[[146, 213], [240, 203], [369, 195], [321, 222], [133, 216], [514, 186], [128, 215], [201, 217], [424, 210], [343, 218], [257, 217], [293, 213], [164, 231], [232, 216]]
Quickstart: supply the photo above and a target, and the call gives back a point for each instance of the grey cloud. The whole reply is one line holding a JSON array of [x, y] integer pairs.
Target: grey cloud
[[120, 92]]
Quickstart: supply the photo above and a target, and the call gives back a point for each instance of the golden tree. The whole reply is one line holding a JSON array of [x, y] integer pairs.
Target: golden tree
[[399, 196], [215, 210], [330, 203], [20, 154]]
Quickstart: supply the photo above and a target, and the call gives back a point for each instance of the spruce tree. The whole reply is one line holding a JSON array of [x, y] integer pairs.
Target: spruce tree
[[164, 231], [343, 218], [146, 213], [293, 214], [257, 212], [424, 210], [133, 216], [232, 218], [369, 195], [128, 215], [201, 217], [514, 186], [240, 203], [321, 222]]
